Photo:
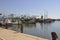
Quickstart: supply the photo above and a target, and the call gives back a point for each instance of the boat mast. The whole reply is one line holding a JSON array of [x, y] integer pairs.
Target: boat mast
[[45, 15]]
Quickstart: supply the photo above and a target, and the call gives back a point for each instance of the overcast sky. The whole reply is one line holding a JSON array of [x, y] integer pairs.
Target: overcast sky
[[31, 7]]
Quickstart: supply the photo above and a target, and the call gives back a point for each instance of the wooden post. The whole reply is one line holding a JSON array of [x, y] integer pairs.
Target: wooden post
[[54, 35], [18, 21], [6, 26], [21, 28]]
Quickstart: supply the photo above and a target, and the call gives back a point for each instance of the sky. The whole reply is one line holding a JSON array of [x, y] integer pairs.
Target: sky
[[31, 7]]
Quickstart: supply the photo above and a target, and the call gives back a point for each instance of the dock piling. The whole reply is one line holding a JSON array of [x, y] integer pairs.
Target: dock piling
[[21, 28], [54, 35], [6, 27]]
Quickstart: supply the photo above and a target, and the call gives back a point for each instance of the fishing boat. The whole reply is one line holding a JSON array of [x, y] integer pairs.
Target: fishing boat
[[47, 20]]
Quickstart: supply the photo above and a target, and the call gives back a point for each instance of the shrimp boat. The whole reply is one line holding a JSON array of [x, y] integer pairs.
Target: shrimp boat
[[47, 20], [4, 21]]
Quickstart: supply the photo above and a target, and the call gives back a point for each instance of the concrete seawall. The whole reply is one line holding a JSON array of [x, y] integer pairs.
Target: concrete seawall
[[6, 34]]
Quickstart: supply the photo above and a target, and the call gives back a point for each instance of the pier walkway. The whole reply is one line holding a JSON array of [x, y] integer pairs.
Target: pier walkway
[[6, 34]]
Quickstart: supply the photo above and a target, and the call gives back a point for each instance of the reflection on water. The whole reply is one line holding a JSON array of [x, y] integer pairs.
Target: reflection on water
[[30, 25], [39, 29]]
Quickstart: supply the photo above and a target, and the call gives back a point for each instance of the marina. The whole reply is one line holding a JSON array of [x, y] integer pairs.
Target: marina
[[29, 20], [31, 26], [39, 29]]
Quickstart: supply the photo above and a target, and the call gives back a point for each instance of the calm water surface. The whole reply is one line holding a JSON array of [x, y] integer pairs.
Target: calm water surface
[[39, 29]]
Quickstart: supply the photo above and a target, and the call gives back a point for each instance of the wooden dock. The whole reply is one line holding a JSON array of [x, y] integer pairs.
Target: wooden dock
[[6, 34]]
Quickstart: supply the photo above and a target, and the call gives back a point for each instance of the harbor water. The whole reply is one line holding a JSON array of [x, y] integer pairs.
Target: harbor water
[[39, 29]]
